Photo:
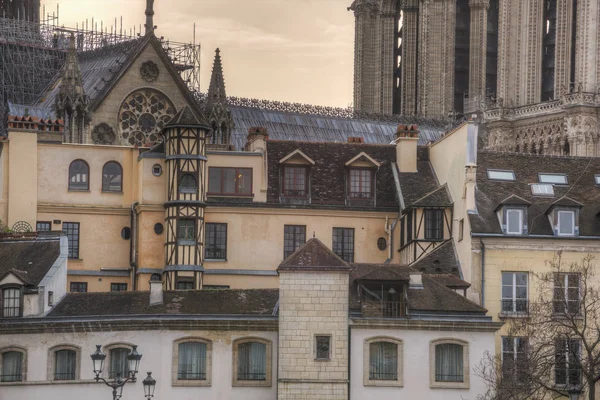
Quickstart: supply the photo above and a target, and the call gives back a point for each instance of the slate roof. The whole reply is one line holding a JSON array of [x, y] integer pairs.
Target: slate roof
[[30, 259], [581, 191], [328, 174], [248, 302], [436, 297], [300, 126], [441, 260], [313, 255], [416, 186]]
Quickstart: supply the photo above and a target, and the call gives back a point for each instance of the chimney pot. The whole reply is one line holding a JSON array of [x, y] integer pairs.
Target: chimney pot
[[156, 293], [415, 280]]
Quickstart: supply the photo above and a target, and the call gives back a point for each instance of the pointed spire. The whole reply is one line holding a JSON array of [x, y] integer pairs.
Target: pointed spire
[[216, 89], [149, 25]]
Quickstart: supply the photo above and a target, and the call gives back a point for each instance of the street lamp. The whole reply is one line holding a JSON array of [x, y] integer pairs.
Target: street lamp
[[574, 393], [133, 362]]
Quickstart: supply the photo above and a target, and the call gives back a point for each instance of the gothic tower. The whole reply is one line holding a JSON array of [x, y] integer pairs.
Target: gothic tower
[[25, 10], [217, 112], [185, 154]]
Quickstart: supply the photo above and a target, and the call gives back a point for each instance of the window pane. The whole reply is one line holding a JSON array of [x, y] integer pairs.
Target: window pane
[[78, 175], [118, 287], [12, 364], [360, 183], [78, 287], [112, 176], [323, 346], [214, 180], [188, 183], [43, 226], [11, 302], [558, 179], [118, 363], [65, 362], [501, 175], [192, 361], [434, 224], [294, 181], [252, 362], [229, 180], [71, 229], [187, 229], [383, 361], [294, 236], [216, 241], [343, 243], [449, 363], [514, 220], [244, 181], [565, 222]]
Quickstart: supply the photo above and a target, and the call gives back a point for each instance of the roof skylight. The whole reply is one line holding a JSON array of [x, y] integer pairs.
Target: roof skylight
[[501, 175], [554, 179], [542, 189], [597, 178]]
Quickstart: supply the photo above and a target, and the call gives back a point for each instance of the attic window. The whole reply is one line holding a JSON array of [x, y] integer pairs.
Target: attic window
[[555, 179], [501, 175], [542, 189], [597, 178]]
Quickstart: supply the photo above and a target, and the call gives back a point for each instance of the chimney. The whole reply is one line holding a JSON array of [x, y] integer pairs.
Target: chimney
[[156, 292], [257, 139], [407, 138], [415, 280]]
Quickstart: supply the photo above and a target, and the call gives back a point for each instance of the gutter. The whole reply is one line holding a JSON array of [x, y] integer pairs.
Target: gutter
[[501, 235], [482, 271], [132, 243]]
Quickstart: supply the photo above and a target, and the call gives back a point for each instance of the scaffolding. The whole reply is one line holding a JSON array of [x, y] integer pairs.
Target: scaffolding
[[32, 54]]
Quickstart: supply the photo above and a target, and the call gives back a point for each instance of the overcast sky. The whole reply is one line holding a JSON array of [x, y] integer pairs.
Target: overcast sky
[[289, 50]]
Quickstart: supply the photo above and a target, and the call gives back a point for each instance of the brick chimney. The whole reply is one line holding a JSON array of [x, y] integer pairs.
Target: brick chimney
[[257, 138], [407, 138]]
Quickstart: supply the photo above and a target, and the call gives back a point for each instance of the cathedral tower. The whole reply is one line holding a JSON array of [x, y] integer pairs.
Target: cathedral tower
[[25, 10], [217, 112]]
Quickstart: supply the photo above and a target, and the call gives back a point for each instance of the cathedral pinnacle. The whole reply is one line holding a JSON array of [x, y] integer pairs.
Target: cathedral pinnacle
[[149, 25], [216, 89]]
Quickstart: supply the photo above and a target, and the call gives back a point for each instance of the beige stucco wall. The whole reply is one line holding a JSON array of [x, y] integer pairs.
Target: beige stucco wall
[[131, 80], [243, 160], [4, 181], [22, 184]]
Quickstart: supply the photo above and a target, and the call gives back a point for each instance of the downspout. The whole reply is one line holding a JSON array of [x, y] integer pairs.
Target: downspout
[[482, 272], [132, 244], [349, 359], [401, 207]]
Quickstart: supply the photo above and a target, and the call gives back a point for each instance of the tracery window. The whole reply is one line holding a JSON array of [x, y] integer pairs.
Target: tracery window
[[143, 115]]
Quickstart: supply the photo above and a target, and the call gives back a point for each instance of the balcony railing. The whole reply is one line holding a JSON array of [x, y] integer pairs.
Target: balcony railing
[[383, 309], [512, 307]]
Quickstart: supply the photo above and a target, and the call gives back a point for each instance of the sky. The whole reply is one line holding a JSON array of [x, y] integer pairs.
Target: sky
[[287, 50]]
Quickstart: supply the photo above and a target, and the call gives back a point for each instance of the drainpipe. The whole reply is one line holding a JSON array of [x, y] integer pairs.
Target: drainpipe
[[132, 244], [391, 239], [482, 272], [349, 359]]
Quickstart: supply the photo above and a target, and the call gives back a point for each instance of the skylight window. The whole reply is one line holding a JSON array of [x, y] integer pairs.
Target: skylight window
[[542, 189], [597, 178], [501, 175], [554, 179]]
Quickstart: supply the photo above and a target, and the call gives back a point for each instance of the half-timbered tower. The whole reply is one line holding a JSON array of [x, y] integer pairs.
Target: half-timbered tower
[[185, 161]]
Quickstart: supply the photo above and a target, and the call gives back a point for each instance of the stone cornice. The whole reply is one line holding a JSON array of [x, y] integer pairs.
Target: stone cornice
[[308, 212], [426, 325], [81, 209], [540, 244]]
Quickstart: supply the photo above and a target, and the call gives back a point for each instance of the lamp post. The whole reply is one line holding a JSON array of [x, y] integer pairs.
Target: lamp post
[[574, 393], [133, 362]]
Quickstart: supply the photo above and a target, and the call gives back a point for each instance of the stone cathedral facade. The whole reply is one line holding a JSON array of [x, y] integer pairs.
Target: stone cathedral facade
[[530, 68]]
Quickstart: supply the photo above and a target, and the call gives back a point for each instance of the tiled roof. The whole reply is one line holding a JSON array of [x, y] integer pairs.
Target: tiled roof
[[436, 297], [30, 259], [581, 190], [313, 255], [450, 281], [380, 272], [440, 197], [328, 174], [416, 185], [192, 302], [441, 260]]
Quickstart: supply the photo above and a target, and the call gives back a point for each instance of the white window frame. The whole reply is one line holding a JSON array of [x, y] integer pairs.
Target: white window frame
[[399, 381], [490, 173], [515, 352], [597, 179], [513, 299], [559, 212], [546, 177], [568, 362], [521, 213], [536, 189], [466, 367], [565, 289]]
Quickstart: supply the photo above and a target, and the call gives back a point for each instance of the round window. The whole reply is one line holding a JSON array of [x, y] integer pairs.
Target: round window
[[156, 170], [158, 228], [381, 243], [126, 233]]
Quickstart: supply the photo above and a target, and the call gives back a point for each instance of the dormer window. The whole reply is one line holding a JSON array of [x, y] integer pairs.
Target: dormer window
[[295, 181], [514, 221], [360, 183], [11, 302], [566, 223]]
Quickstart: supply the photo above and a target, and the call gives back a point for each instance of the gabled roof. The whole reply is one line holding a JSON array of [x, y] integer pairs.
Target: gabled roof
[[294, 153], [436, 297], [581, 191], [362, 155], [313, 256], [28, 258], [380, 272], [187, 117], [439, 197], [417, 185], [513, 199]]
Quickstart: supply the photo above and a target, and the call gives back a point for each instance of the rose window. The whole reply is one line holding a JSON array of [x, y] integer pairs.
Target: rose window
[[143, 115]]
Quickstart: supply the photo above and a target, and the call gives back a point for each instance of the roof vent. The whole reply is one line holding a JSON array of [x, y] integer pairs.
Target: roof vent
[[354, 139], [555, 179], [542, 189]]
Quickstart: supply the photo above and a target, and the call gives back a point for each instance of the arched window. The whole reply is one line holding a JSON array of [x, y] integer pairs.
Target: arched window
[[385, 362], [79, 173], [450, 367], [252, 362], [11, 302], [13, 364], [188, 184], [64, 363], [118, 362], [193, 359], [112, 177]]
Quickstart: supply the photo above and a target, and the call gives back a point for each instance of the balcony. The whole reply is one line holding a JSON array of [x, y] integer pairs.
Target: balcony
[[514, 308], [383, 309]]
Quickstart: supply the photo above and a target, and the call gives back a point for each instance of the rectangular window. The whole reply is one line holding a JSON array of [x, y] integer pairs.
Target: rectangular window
[[252, 362], [65, 363], [78, 287], [71, 229], [500, 175], [567, 365], [43, 226], [449, 363], [118, 287], [383, 361], [566, 223], [230, 181], [295, 181], [294, 236], [322, 347], [192, 361], [597, 179], [50, 298], [514, 358], [361, 184], [186, 230], [434, 224], [216, 241], [12, 366], [566, 293], [514, 221], [409, 227], [185, 283], [343, 243], [514, 292], [118, 363], [11, 302], [461, 229], [556, 179]]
